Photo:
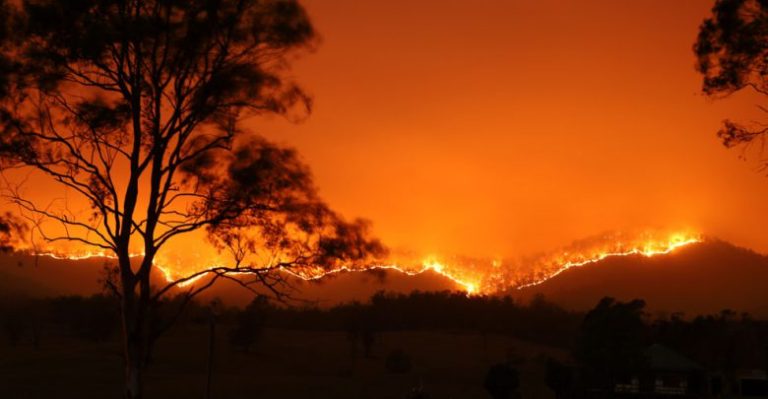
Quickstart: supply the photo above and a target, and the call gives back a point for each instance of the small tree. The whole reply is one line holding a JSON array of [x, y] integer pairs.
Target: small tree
[[11, 231], [732, 54], [249, 324], [613, 338], [136, 106]]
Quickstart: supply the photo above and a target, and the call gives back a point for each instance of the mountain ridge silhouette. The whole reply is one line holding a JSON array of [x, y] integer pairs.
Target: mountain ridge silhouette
[[705, 277]]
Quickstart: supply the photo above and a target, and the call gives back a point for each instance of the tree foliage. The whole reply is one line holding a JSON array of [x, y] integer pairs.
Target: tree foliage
[[137, 106], [159, 88], [11, 231], [732, 54], [613, 336]]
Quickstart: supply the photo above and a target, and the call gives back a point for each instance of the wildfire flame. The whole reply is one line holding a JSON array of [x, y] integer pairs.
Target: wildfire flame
[[471, 275], [646, 248]]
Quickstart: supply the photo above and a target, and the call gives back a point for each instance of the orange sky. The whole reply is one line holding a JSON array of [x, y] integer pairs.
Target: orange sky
[[498, 128], [495, 128]]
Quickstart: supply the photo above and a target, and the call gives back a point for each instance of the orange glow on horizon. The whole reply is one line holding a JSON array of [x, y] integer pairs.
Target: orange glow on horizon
[[470, 278], [648, 249], [499, 128]]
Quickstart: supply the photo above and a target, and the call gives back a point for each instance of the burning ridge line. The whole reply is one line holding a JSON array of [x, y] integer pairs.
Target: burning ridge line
[[562, 261]]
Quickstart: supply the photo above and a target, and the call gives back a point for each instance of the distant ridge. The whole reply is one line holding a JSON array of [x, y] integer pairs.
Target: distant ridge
[[27, 275], [23, 275], [700, 278]]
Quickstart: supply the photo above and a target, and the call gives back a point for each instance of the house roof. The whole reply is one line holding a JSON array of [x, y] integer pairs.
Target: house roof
[[662, 358]]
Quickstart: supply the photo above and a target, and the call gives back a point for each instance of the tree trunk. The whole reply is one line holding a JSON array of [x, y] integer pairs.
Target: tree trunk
[[133, 354], [133, 332], [132, 379], [211, 343], [133, 344]]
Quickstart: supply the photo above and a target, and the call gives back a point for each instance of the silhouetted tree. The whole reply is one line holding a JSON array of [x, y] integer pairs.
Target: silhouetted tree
[[249, 324], [135, 106], [613, 337], [732, 52], [11, 230]]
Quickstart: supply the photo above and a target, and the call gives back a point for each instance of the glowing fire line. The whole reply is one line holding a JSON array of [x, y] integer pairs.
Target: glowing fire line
[[647, 252], [168, 275], [427, 265], [562, 262]]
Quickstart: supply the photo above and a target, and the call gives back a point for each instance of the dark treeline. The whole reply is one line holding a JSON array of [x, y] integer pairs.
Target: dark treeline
[[92, 318], [615, 335], [538, 321], [30, 320], [725, 341], [611, 335]]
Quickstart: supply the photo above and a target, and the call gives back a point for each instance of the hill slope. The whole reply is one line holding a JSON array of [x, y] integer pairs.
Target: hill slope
[[701, 278], [25, 275]]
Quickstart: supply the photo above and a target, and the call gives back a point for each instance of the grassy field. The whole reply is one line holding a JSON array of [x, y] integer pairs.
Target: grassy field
[[285, 365]]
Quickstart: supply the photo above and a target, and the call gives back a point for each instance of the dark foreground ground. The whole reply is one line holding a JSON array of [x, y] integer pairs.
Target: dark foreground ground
[[285, 364]]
